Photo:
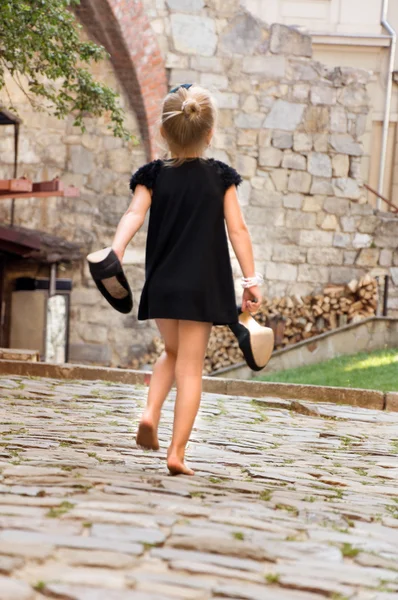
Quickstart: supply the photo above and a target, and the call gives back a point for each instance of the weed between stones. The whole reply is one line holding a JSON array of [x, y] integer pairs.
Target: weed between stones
[[349, 551], [58, 511], [272, 578]]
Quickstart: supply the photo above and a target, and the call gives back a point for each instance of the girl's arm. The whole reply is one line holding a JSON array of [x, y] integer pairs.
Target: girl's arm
[[242, 245], [132, 220]]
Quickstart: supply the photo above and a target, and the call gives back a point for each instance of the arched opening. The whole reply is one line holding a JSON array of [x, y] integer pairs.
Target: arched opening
[[124, 30]]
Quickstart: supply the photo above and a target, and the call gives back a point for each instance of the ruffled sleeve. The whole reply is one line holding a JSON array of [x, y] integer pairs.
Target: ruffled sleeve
[[227, 174], [146, 175]]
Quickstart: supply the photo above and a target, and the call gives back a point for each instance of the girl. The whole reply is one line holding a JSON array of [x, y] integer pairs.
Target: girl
[[189, 285]]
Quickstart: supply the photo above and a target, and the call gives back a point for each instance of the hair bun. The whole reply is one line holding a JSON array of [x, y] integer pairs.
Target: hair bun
[[191, 108]]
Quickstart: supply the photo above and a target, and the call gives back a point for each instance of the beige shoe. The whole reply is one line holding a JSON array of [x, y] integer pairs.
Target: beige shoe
[[255, 341]]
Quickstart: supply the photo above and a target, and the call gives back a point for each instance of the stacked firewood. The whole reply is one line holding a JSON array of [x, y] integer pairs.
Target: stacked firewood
[[302, 317]]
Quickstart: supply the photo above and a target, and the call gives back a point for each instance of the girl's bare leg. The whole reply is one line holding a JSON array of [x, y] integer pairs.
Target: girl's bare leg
[[193, 338], [161, 382]]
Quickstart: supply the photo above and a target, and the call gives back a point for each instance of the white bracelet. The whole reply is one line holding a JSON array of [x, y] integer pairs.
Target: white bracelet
[[248, 282]]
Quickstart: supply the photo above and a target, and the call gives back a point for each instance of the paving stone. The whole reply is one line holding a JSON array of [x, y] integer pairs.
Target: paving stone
[[12, 589], [277, 493], [9, 564]]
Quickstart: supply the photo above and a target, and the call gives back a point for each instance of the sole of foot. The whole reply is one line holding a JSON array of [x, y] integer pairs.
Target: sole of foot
[[147, 437], [177, 467]]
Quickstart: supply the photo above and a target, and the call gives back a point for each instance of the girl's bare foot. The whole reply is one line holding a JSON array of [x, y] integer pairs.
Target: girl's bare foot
[[176, 465], [147, 435]]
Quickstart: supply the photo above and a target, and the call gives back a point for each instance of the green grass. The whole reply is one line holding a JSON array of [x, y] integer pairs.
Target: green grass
[[377, 371]]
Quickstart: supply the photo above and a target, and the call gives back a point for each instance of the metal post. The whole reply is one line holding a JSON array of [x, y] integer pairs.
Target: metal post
[[16, 143], [385, 299]]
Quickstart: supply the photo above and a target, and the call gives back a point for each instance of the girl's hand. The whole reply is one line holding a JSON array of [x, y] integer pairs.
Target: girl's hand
[[251, 299]]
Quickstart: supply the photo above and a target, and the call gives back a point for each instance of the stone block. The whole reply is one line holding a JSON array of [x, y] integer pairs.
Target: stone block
[[354, 98], [349, 224], [394, 275], [84, 296], [214, 81], [303, 70], [242, 35], [392, 402], [316, 119], [279, 179], [246, 165], [327, 257], [299, 181], [321, 142], [90, 353], [355, 171], [336, 206], [300, 220], [188, 6], [270, 157], [302, 142], [284, 115], [288, 40], [369, 224], [345, 187], [288, 254], [316, 238], [281, 272], [350, 257], [344, 274], [329, 223], [321, 186], [323, 95], [247, 137], [341, 165], [207, 64], [385, 259], [270, 67], [294, 201], [81, 160], [361, 209], [292, 160], [120, 160], [313, 203], [362, 240], [300, 92], [193, 34], [319, 165], [338, 119], [312, 274], [244, 191], [342, 240], [250, 105], [178, 76], [282, 140], [176, 61], [246, 121], [264, 198], [345, 144], [368, 257]]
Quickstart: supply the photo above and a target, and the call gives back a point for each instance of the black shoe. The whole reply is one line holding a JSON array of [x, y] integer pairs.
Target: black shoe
[[255, 341], [107, 272]]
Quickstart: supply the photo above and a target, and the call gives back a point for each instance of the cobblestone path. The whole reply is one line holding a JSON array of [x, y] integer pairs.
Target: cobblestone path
[[291, 501]]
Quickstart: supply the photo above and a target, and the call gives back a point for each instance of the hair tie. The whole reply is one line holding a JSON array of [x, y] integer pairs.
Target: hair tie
[[184, 104]]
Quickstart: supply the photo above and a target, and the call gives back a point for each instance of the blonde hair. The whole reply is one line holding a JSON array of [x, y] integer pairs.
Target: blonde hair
[[188, 116]]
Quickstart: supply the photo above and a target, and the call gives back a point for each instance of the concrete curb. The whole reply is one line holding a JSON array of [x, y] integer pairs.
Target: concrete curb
[[231, 387]]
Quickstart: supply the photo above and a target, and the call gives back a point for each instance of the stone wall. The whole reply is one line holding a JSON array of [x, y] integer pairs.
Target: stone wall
[[291, 126]]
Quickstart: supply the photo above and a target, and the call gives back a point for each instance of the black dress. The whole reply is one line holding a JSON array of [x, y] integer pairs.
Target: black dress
[[188, 268]]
